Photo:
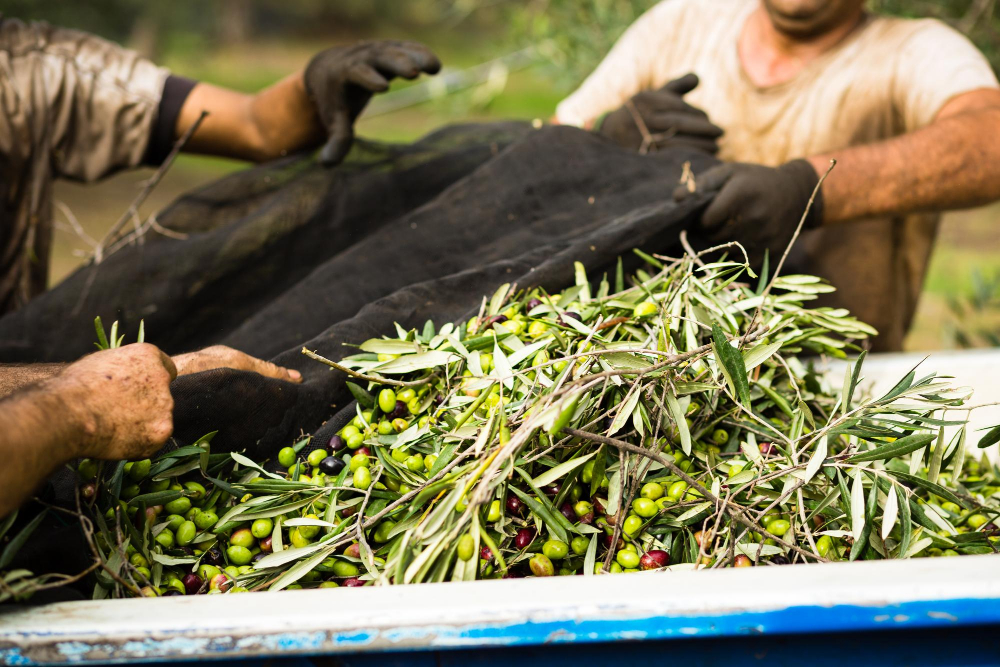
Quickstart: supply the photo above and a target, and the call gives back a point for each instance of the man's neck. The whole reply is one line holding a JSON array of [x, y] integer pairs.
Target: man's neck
[[771, 57]]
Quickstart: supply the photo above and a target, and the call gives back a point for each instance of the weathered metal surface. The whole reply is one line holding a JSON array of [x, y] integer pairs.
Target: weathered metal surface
[[947, 594], [795, 599]]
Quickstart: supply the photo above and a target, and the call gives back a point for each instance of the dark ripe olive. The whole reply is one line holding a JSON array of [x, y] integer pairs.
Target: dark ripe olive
[[171, 592], [514, 504], [337, 443], [493, 319], [599, 505], [587, 518], [485, 553], [188, 550], [766, 448], [608, 542], [575, 316], [653, 559], [552, 489], [363, 450], [353, 582], [213, 556], [511, 574], [400, 412], [779, 560], [524, 538], [192, 583], [266, 545], [532, 304], [568, 512], [332, 465], [990, 529], [257, 557]]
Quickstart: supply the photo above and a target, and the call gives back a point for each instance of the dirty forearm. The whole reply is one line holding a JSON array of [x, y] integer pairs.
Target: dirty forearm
[[38, 433], [14, 377], [951, 164], [278, 120]]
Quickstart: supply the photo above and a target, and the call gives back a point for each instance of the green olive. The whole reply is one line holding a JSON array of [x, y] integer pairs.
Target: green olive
[[387, 401], [413, 407], [644, 309], [232, 571], [493, 514], [951, 507], [140, 469], [355, 441], [165, 538], [309, 532], [415, 463], [348, 431], [362, 478], [632, 525], [315, 456], [588, 472], [677, 489], [555, 549], [286, 457], [238, 555], [778, 527], [297, 539], [583, 508], [195, 490], [87, 469], [174, 521], [406, 395], [644, 507], [466, 547], [399, 454], [720, 436], [381, 534], [342, 568], [242, 538], [651, 490], [399, 425], [384, 428], [207, 572], [541, 566], [261, 528], [178, 505], [359, 461], [627, 559], [129, 491], [975, 521], [823, 545], [579, 545], [185, 533], [138, 560]]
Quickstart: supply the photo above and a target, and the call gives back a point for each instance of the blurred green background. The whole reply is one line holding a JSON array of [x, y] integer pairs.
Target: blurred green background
[[520, 57]]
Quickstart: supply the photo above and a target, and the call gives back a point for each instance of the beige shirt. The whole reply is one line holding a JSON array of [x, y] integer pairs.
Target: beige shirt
[[71, 105], [889, 77]]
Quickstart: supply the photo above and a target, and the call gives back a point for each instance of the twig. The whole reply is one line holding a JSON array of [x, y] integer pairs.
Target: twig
[[133, 209], [361, 376]]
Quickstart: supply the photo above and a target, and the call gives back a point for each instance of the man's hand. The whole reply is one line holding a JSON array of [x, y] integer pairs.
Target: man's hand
[[669, 120], [758, 206], [341, 80], [118, 400], [220, 356]]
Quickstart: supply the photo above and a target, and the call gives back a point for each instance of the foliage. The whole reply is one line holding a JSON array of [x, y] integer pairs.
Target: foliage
[[976, 321], [673, 418]]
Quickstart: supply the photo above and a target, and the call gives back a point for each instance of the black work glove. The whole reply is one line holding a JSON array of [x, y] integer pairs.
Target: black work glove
[[669, 120], [758, 206], [341, 80]]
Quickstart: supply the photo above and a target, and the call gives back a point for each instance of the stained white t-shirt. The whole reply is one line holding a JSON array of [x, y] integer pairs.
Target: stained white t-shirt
[[888, 77]]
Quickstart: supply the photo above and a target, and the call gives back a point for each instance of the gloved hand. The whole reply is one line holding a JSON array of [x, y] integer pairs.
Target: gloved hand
[[669, 120], [758, 206], [341, 80]]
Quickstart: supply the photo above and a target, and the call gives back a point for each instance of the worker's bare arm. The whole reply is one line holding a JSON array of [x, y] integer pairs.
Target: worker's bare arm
[[951, 164], [298, 112], [113, 404]]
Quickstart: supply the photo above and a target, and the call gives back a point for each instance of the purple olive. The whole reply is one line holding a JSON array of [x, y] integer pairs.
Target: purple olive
[[171, 592], [353, 582], [653, 559], [400, 412], [532, 304], [523, 538], [258, 556], [213, 557], [486, 553], [332, 465], [337, 443], [552, 489], [766, 448], [192, 583], [514, 504], [568, 511]]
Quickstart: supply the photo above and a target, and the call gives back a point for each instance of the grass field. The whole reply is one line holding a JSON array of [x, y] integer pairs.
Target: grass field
[[969, 240]]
